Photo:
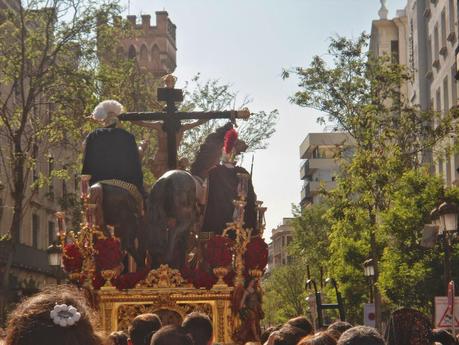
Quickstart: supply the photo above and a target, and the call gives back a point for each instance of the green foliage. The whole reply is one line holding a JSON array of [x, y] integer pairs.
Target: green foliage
[[310, 241], [383, 194], [285, 294], [213, 95]]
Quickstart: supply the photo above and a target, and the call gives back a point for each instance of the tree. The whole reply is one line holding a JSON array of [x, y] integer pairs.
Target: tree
[[47, 51], [213, 95], [285, 294], [310, 242], [364, 95]]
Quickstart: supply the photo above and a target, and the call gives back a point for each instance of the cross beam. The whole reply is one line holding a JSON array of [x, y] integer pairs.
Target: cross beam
[[172, 118]]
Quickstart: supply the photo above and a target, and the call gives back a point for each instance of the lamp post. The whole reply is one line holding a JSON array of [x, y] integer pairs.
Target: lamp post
[[369, 272], [54, 252], [445, 217]]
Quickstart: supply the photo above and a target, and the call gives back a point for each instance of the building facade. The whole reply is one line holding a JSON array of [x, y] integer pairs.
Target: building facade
[[281, 237], [321, 154], [424, 37]]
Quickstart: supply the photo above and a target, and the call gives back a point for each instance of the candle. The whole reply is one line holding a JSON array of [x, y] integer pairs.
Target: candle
[[84, 186]]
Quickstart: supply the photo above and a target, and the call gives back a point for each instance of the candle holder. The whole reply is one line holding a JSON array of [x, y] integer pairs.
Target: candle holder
[[261, 220], [243, 185], [84, 187], [220, 273]]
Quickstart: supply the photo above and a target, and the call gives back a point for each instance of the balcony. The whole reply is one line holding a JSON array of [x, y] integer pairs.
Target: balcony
[[332, 141], [312, 188], [311, 165]]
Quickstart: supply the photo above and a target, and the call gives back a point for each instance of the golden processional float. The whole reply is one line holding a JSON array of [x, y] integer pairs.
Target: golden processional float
[[235, 262]]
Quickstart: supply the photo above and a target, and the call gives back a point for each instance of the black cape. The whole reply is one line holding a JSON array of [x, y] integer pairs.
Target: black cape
[[112, 153], [223, 182]]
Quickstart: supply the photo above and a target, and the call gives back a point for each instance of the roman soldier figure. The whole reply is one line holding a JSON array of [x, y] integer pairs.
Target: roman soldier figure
[[222, 189], [111, 157], [111, 152]]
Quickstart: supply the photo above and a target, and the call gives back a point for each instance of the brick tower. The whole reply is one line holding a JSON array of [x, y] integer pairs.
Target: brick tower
[[152, 46]]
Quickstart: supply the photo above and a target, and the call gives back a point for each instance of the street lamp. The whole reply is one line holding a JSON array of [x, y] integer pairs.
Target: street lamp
[[54, 252], [448, 216], [369, 272], [445, 217]]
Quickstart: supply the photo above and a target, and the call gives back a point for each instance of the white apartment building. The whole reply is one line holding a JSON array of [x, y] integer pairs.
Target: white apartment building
[[321, 153], [281, 237], [424, 37]]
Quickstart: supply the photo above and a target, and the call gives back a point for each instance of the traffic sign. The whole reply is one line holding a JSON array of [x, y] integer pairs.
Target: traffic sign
[[369, 316], [444, 315]]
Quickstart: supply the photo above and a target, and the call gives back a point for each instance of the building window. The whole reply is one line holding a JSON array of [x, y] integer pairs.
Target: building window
[[35, 230], [451, 16], [436, 43], [443, 30], [50, 174], [35, 162], [2, 206], [445, 95], [448, 169], [51, 232], [394, 51], [453, 85]]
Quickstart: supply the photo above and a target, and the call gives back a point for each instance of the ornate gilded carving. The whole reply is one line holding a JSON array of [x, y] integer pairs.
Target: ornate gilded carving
[[163, 277]]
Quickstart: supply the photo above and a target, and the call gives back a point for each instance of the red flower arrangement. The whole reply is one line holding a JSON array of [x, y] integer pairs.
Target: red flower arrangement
[[109, 254], [130, 280], [256, 255], [72, 259], [217, 251]]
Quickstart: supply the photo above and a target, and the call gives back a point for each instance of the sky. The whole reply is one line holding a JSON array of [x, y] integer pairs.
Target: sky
[[247, 43]]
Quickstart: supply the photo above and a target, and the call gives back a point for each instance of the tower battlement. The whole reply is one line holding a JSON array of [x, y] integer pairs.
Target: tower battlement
[[153, 46]]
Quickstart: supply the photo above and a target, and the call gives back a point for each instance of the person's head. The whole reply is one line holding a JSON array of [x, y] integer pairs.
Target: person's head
[[338, 327], [142, 328], [288, 335], [321, 338], [443, 337], [199, 326], [302, 323], [53, 316], [361, 335], [171, 335], [107, 112], [117, 338]]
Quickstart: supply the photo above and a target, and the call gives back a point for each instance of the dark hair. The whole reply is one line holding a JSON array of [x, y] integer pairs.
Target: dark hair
[[443, 336], [339, 327], [171, 335], [361, 335], [289, 335], [30, 323], [142, 328], [321, 338], [118, 338], [267, 332], [302, 323], [199, 326]]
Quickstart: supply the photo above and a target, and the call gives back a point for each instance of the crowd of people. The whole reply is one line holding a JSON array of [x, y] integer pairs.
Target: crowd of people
[[63, 317]]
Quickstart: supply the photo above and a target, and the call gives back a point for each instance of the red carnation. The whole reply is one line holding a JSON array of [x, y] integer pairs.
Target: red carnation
[[130, 280], [217, 251], [230, 140], [72, 259], [109, 254], [256, 255]]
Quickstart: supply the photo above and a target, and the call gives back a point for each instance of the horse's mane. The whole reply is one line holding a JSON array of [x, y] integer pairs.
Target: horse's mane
[[209, 152]]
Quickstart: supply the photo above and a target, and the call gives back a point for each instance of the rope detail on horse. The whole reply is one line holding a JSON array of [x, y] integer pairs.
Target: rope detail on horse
[[129, 187]]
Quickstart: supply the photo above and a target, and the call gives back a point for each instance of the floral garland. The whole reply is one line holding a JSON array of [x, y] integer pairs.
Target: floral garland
[[256, 255], [109, 254], [72, 259], [217, 251]]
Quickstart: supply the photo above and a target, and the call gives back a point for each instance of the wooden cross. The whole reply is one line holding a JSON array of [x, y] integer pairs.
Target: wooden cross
[[172, 118]]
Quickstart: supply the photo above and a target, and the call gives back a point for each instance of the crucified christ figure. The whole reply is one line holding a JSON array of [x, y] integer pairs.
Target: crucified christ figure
[[160, 166]]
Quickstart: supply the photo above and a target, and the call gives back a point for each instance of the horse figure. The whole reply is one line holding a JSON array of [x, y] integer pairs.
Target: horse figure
[[120, 208], [173, 204]]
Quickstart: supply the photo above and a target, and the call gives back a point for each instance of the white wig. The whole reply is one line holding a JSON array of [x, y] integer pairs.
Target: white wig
[[107, 110]]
